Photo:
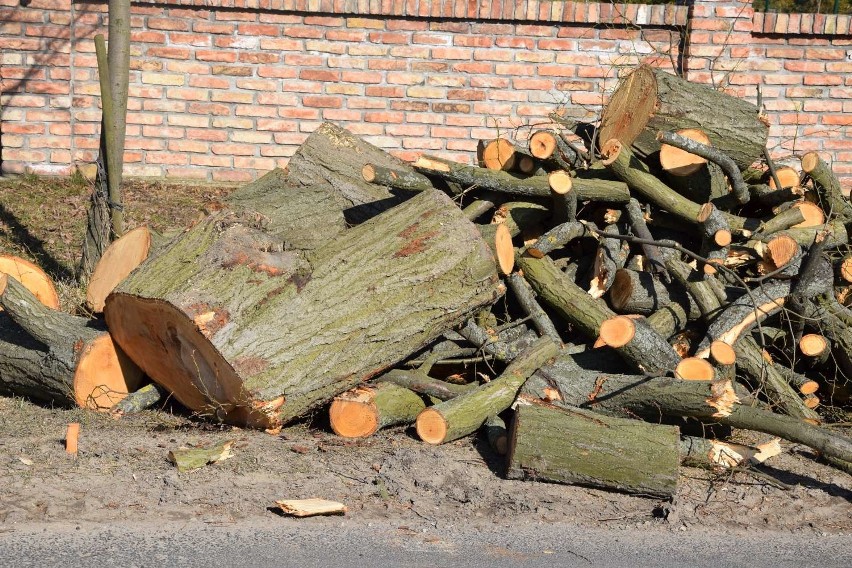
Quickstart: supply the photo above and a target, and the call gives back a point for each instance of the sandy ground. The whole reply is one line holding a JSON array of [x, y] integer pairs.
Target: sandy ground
[[122, 474]]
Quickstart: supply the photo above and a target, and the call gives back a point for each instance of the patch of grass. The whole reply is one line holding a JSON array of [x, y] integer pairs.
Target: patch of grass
[[43, 219]]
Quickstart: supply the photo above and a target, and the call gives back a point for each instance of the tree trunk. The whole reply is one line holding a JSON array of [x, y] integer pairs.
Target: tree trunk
[[119, 80], [650, 100], [259, 338], [57, 358], [334, 159], [552, 442]]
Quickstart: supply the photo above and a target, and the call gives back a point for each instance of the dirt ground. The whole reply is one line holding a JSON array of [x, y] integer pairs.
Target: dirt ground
[[122, 471]]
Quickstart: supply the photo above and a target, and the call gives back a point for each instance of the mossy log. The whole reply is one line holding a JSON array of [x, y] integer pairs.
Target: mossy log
[[332, 160], [631, 396], [649, 100], [770, 381], [419, 382], [139, 400], [57, 358], [552, 442], [364, 410], [642, 347], [255, 336], [464, 414], [588, 189], [302, 217]]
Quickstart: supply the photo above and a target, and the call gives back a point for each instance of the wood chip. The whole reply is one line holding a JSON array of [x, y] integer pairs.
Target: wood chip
[[188, 459], [310, 507]]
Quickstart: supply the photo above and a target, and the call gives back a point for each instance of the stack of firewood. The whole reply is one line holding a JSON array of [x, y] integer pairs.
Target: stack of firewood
[[601, 294]]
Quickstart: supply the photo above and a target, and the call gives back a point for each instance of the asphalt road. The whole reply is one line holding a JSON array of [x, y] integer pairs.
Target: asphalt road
[[306, 543]]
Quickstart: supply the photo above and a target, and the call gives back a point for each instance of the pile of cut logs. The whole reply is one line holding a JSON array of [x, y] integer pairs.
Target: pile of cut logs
[[608, 296]]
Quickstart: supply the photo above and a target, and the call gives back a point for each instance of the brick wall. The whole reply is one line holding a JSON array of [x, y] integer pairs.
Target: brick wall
[[227, 89]]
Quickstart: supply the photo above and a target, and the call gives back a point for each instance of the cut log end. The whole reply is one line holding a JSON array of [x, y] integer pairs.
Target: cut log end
[[723, 353], [431, 426], [788, 177], [119, 259], [354, 416], [813, 344], [610, 151], [504, 248], [32, 277], [560, 182], [809, 162], [617, 331], [812, 213], [542, 144], [781, 250], [679, 162], [178, 355], [695, 369], [630, 107], [499, 154], [722, 237], [811, 401], [368, 172], [104, 375], [846, 269]]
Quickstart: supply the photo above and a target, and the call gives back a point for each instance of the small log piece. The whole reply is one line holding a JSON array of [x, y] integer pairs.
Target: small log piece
[[364, 410], [715, 237], [827, 187], [397, 179], [590, 189], [464, 414], [57, 358]]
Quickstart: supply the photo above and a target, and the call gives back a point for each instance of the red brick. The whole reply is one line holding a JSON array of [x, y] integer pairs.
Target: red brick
[[323, 75], [361, 77], [259, 57], [209, 82], [171, 24], [209, 108], [258, 30], [213, 28], [382, 91], [231, 175], [322, 102], [384, 117], [387, 65], [417, 106], [168, 52]]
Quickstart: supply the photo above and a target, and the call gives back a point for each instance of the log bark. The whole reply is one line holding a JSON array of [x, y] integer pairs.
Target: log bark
[[419, 382], [333, 159], [652, 397], [464, 414], [827, 186], [396, 179], [650, 100], [57, 358], [300, 217], [139, 400], [644, 349], [552, 442], [634, 292], [258, 337], [588, 189], [364, 410]]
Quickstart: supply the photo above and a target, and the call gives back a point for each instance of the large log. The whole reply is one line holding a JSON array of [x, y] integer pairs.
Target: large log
[[333, 158], [57, 358], [650, 100], [259, 337], [553, 442]]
